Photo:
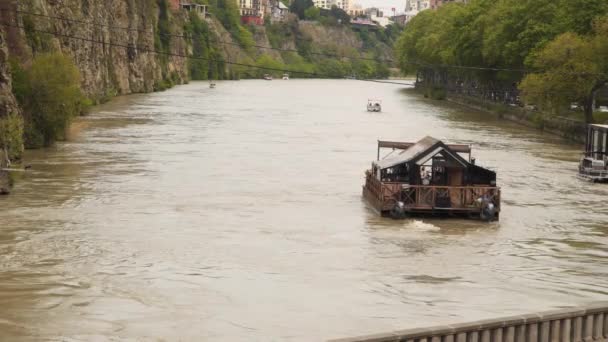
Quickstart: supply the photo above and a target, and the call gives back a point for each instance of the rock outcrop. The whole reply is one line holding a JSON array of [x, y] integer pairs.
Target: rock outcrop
[[7, 105], [110, 41]]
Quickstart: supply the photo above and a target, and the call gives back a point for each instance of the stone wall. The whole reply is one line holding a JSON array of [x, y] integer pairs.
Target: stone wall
[[564, 127]]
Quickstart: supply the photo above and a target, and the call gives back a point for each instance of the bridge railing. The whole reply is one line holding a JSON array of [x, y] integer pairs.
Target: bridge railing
[[577, 324]]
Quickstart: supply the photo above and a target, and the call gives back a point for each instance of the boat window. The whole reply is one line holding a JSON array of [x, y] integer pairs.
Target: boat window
[[596, 142]]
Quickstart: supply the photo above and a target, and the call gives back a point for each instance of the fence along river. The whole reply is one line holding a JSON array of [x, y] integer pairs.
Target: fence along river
[[235, 213]]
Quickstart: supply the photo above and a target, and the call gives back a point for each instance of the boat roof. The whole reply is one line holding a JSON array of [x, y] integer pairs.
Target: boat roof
[[599, 126], [420, 152]]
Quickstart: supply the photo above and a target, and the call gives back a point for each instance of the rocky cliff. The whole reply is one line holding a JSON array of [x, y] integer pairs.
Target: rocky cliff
[[106, 39], [8, 105]]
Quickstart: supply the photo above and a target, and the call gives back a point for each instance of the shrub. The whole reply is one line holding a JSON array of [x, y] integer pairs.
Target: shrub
[[312, 13], [244, 38], [49, 93], [11, 136], [266, 61]]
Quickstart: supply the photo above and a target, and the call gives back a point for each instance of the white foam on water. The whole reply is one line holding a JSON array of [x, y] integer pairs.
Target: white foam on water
[[419, 225]]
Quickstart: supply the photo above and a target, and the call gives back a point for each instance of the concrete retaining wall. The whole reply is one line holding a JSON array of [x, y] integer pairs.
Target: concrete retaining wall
[[564, 127], [587, 323]]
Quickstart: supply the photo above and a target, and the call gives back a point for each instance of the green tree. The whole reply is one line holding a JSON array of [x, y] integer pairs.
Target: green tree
[[299, 7], [265, 63], [572, 68], [341, 16], [332, 68], [312, 13]]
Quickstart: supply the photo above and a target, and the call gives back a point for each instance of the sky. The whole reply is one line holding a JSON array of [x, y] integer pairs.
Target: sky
[[384, 4]]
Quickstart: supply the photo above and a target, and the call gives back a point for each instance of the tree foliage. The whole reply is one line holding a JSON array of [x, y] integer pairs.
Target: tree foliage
[[572, 69], [299, 7], [312, 13], [497, 39]]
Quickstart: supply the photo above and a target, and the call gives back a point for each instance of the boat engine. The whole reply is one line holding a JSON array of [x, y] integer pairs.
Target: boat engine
[[488, 209], [398, 211]]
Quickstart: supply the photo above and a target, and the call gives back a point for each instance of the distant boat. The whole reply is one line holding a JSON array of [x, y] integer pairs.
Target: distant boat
[[268, 77], [374, 105], [593, 165], [285, 76], [211, 84]]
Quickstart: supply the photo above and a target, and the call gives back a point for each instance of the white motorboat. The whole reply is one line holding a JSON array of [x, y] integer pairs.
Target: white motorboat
[[374, 105]]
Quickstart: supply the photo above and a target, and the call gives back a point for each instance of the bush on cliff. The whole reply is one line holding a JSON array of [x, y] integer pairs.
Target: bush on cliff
[[11, 136], [49, 93], [268, 65], [299, 7]]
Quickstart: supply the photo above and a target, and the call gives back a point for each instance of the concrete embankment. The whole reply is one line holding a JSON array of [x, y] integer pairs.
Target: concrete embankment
[[564, 127], [576, 324]]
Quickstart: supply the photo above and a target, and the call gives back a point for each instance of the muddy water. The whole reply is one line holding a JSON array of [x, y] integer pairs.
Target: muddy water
[[235, 214]]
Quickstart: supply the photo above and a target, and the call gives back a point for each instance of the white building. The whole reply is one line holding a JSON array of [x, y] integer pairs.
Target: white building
[[417, 5], [356, 10], [376, 15], [328, 4]]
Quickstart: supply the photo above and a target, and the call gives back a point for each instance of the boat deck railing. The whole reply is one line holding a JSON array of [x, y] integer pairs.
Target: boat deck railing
[[433, 196]]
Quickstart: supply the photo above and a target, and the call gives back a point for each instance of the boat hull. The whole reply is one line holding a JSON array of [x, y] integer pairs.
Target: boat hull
[[422, 201]]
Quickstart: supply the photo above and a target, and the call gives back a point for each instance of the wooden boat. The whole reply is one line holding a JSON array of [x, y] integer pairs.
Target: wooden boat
[[374, 105], [594, 163], [430, 177]]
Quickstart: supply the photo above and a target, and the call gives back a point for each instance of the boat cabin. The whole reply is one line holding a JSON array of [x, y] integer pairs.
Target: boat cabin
[[430, 176], [594, 163]]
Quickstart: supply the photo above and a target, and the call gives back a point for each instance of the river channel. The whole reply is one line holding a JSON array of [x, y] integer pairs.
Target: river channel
[[235, 214]]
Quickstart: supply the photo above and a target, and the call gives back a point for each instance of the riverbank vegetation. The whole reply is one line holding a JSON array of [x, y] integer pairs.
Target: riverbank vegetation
[[547, 54], [291, 49], [309, 57], [48, 93]]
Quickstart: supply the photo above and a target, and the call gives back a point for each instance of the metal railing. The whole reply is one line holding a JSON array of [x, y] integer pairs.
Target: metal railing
[[586, 323]]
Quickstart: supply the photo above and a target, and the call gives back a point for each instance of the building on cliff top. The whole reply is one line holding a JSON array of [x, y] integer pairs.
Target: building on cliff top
[[279, 11], [177, 5], [253, 11], [328, 4]]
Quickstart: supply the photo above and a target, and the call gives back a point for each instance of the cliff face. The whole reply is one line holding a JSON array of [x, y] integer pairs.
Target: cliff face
[[7, 100], [8, 105], [106, 40]]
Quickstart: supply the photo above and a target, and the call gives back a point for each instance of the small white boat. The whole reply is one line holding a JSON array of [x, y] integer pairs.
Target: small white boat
[[374, 105], [268, 77], [286, 76], [211, 84]]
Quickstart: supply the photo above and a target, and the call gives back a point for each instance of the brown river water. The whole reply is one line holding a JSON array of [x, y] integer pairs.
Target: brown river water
[[235, 214]]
